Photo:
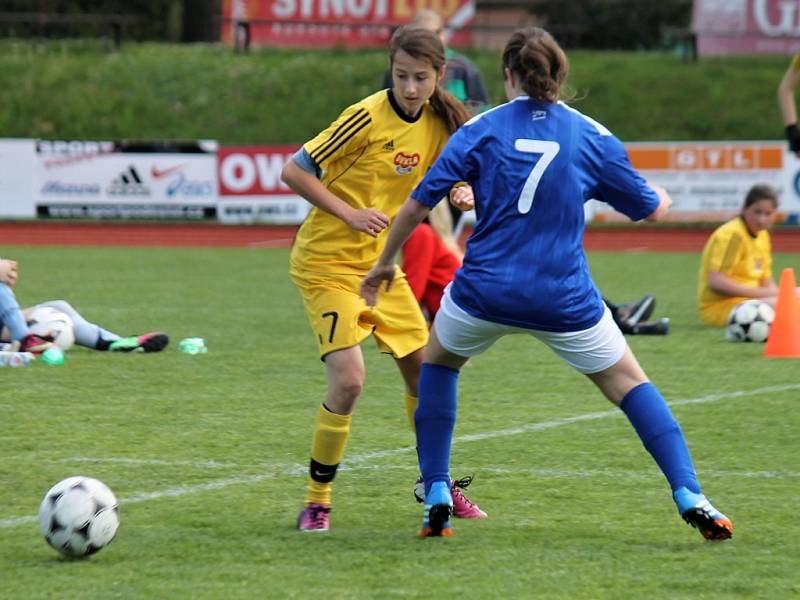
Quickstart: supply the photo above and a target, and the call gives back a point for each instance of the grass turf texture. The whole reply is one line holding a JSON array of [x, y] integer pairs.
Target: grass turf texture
[[207, 454], [73, 90]]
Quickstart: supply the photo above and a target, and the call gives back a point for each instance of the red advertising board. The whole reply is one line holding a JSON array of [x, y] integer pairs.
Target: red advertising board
[[250, 186], [746, 26], [348, 23]]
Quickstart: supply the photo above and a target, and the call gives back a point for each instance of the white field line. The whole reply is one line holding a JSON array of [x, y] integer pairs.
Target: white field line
[[364, 460]]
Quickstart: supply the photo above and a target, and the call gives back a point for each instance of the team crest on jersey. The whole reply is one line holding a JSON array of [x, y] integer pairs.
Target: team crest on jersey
[[405, 163], [758, 264]]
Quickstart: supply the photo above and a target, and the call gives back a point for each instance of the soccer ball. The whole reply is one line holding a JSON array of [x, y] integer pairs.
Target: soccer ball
[[750, 321], [79, 516], [47, 321]]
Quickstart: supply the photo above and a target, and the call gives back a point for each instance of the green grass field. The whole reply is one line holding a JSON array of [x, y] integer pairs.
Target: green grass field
[[207, 454]]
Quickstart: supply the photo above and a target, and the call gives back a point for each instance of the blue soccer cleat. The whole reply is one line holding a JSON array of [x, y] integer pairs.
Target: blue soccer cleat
[[438, 509], [697, 511]]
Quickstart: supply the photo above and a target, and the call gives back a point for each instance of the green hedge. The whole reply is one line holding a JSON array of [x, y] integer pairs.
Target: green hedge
[[74, 90]]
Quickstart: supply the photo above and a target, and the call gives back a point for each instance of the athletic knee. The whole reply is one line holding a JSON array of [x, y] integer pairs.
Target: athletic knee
[[60, 305]]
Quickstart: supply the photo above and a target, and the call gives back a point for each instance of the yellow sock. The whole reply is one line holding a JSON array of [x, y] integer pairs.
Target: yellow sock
[[327, 449], [411, 408]]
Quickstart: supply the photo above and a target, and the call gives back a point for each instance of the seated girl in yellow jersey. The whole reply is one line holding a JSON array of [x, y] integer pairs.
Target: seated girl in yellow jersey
[[737, 260], [789, 82], [356, 174]]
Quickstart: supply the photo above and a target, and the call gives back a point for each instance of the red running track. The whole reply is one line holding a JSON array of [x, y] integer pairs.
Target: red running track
[[652, 239]]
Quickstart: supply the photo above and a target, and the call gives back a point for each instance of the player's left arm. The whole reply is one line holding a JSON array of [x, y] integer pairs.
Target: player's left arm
[[622, 186]]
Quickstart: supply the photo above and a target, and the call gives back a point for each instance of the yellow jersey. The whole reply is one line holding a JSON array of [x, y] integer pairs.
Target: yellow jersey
[[735, 252], [372, 156]]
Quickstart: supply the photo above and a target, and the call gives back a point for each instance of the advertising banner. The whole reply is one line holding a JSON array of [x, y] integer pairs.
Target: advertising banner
[[746, 26], [17, 158], [709, 180], [327, 23], [106, 179], [250, 186]]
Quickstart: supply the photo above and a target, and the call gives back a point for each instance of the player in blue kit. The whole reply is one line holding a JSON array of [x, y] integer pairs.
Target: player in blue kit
[[532, 164]]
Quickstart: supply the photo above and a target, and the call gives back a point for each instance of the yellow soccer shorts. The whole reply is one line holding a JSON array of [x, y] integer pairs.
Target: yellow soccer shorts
[[341, 318], [717, 312]]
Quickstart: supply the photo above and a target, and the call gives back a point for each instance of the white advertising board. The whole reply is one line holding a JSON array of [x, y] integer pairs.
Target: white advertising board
[[17, 159], [250, 186], [709, 180], [105, 179]]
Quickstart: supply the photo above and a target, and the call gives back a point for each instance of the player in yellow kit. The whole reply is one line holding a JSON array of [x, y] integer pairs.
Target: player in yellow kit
[[737, 260], [357, 173]]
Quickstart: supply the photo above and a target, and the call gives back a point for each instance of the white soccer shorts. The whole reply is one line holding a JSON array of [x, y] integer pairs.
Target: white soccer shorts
[[589, 351]]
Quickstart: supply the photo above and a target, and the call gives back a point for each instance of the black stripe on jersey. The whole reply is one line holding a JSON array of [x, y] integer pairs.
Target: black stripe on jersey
[[344, 138], [345, 131], [354, 161]]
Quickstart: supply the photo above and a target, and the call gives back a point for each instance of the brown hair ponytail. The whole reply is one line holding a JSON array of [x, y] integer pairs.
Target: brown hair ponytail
[[536, 58], [423, 44]]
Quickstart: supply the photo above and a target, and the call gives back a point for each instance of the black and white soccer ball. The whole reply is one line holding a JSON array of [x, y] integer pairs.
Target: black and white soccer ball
[[79, 516], [750, 321], [46, 321]]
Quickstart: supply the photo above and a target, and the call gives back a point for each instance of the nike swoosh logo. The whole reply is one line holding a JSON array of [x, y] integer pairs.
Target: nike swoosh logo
[[159, 173], [322, 473]]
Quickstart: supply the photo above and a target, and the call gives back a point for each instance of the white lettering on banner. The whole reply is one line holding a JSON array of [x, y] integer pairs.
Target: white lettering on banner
[[331, 7], [787, 23], [237, 172], [686, 159], [73, 147], [241, 173], [269, 171], [714, 158], [308, 9]]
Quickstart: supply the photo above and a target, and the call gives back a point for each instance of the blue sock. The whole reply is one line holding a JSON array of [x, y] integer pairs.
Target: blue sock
[[661, 435], [435, 420], [11, 315]]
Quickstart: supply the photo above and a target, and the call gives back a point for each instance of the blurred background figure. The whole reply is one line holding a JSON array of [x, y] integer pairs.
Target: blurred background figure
[[737, 260], [241, 26]]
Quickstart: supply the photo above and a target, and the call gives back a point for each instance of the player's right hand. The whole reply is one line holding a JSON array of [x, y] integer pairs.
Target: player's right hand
[[371, 284], [368, 220], [8, 271]]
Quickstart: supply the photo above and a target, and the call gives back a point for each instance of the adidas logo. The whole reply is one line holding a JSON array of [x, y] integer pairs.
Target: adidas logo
[[128, 183], [389, 146]]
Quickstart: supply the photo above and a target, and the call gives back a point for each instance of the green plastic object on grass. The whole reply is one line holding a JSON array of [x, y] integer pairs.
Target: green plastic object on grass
[[192, 346], [53, 356]]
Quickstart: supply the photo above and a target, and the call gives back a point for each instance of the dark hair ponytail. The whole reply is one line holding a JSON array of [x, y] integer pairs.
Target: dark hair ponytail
[[536, 58], [423, 44]]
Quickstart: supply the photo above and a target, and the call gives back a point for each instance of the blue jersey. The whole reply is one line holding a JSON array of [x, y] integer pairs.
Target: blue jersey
[[532, 166]]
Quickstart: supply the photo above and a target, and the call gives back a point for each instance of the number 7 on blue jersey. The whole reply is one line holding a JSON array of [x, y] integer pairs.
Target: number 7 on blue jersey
[[548, 150]]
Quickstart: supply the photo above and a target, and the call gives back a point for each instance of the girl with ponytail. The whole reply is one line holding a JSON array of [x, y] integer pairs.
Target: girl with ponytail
[[356, 174]]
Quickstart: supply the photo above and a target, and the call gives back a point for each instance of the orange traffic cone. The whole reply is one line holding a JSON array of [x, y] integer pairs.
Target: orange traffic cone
[[784, 335]]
